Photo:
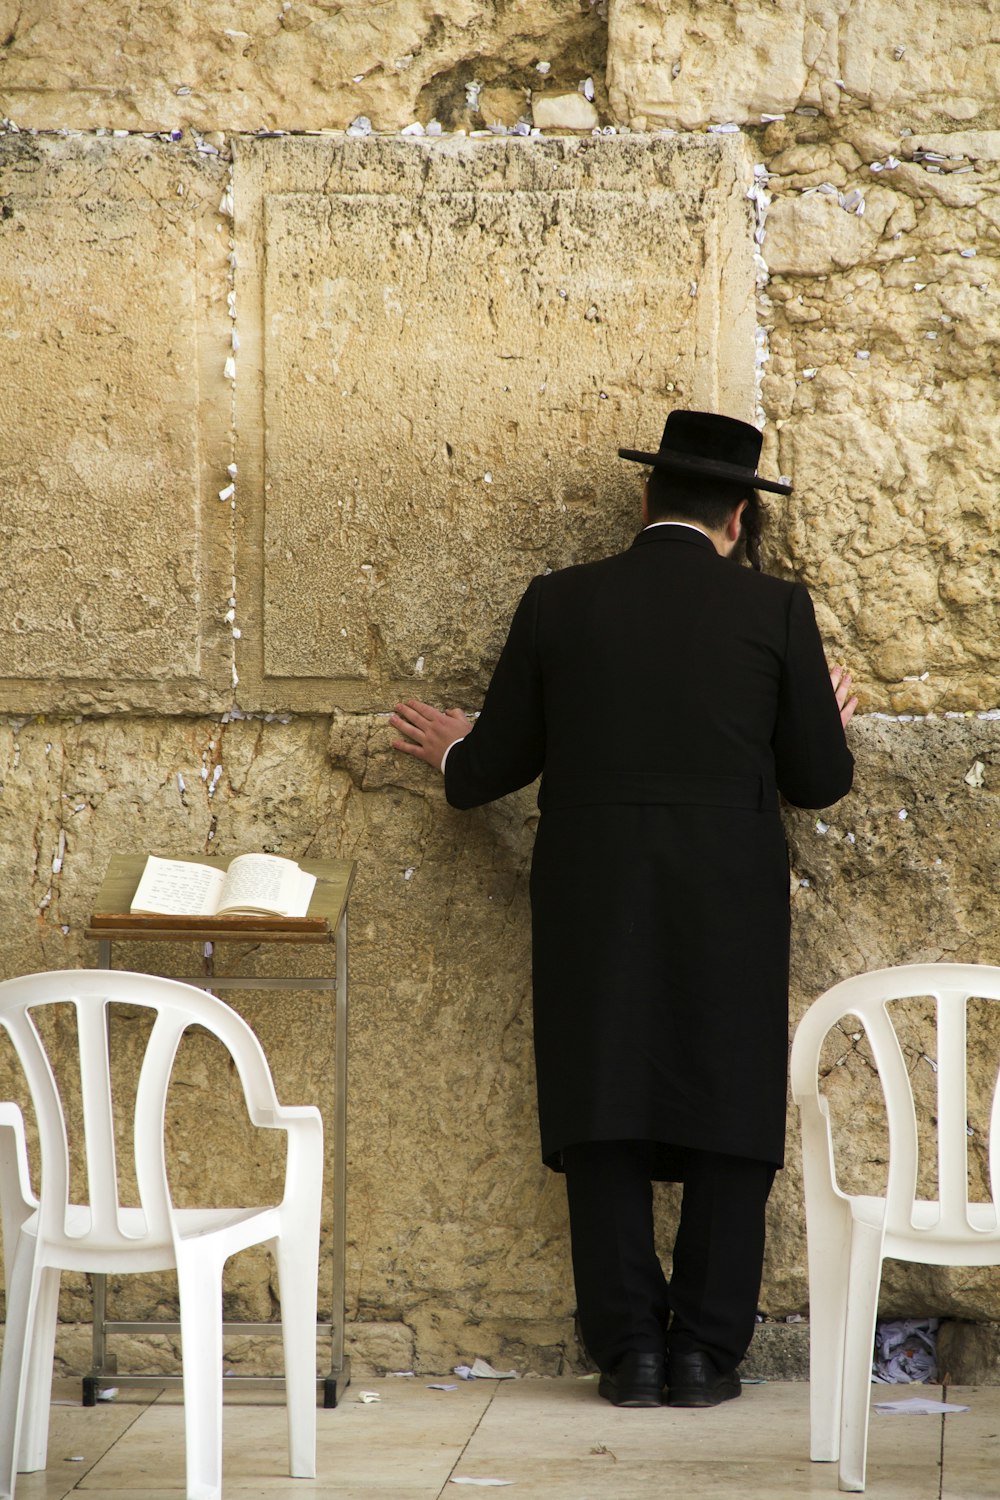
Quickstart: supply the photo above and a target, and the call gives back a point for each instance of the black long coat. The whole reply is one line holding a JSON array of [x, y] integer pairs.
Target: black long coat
[[666, 695]]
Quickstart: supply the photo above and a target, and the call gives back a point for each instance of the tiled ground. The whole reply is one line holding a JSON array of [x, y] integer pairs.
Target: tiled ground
[[553, 1439]]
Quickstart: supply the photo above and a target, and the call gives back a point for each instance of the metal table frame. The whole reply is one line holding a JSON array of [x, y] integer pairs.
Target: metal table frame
[[104, 1371]]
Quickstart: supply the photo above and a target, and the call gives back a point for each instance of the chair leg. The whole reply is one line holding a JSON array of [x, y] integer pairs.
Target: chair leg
[[199, 1287], [829, 1269], [37, 1398], [22, 1299], [298, 1270], [862, 1313]]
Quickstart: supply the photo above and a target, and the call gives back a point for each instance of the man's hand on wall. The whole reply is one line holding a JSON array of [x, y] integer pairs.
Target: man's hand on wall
[[428, 731], [846, 702]]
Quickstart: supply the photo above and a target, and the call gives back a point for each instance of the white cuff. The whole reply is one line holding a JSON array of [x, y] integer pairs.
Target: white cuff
[[448, 752]]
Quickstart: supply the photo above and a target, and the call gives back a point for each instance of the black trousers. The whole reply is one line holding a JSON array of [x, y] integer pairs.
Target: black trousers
[[624, 1301]]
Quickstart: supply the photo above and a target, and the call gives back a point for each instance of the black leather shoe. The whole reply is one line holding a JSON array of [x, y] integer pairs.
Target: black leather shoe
[[636, 1380], [693, 1380]]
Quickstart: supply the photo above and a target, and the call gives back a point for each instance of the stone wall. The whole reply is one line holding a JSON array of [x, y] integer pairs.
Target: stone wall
[[290, 419]]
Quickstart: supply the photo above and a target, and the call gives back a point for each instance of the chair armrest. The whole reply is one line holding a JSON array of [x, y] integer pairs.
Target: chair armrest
[[17, 1201], [304, 1126], [819, 1162]]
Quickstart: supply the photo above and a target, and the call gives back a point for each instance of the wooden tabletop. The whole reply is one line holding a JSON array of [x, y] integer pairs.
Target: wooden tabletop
[[112, 919]]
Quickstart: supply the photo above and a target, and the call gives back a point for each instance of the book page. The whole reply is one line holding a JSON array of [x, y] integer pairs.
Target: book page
[[174, 888], [307, 884], [267, 883]]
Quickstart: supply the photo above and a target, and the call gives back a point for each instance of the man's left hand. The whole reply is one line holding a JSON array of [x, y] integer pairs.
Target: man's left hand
[[428, 731], [847, 701]]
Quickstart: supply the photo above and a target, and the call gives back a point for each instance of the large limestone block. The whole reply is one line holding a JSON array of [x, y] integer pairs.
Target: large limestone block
[[243, 65], [693, 64], [113, 406], [455, 338], [884, 327], [812, 235], [705, 61]]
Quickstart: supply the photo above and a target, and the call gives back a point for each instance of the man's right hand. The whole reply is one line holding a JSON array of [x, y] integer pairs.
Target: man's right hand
[[428, 731], [846, 702]]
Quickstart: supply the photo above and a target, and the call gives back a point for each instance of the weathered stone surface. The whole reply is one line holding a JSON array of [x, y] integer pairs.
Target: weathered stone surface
[[779, 1351], [563, 112], [434, 414], [969, 1353], [687, 65], [883, 348], [958, 145], [112, 316], [243, 65]]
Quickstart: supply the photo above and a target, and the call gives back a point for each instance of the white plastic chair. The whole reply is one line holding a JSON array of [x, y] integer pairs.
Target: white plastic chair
[[44, 1237], [850, 1235]]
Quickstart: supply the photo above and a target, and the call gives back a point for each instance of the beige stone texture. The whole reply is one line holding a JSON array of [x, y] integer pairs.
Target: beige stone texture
[[246, 65], [435, 413], [884, 328], [688, 65], [563, 112], [114, 410]]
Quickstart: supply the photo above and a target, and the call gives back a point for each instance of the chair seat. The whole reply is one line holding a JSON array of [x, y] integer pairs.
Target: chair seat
[[936, 1245], [144, 1254]]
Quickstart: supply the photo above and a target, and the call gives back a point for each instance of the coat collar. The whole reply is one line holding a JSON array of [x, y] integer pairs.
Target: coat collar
[[667, 531]]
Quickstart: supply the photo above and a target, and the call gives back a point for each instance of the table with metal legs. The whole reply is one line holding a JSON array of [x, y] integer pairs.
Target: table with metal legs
[[326, 923]]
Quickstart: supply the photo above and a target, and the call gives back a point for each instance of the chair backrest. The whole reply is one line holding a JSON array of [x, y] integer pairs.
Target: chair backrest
[[91, 992], [868, 996]]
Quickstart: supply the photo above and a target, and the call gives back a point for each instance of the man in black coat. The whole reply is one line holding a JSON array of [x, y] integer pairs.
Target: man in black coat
[[666, 696]]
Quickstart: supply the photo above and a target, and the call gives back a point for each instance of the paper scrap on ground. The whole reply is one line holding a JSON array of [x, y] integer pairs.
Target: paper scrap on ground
[[481, 1481], [437, 1387], [367, 1397], [917, 1406], [905, 1349], [481, 1370]]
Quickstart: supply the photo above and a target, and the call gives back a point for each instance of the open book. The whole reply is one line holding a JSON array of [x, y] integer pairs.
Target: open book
[[254, 885]]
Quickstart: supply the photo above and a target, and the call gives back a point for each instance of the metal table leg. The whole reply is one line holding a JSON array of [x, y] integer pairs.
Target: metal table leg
[[100, 1363], [340, 1367]]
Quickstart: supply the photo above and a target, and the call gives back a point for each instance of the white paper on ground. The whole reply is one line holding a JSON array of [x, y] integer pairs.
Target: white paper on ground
[[481, 1481], [437, 1387], [367, 1397], [917, 1406], [481, 1370]]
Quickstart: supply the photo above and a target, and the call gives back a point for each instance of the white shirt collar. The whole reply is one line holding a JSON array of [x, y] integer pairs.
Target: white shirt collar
[[679, 523]]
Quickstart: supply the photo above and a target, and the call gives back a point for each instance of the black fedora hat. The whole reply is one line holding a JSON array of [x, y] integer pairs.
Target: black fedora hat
[[705, 444]]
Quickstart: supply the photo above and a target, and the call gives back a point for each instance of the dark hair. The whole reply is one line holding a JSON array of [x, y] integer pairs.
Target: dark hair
[[709, 503]]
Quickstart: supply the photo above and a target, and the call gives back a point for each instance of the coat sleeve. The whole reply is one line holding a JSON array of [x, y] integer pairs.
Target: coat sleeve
[[506, 748], [813, 764]]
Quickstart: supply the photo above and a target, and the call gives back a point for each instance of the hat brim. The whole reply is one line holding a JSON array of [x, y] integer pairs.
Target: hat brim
[[707, 468]]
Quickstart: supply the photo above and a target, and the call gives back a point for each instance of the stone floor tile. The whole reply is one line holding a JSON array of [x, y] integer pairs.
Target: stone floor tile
[[76, 1433], [405, 1443], [559, 1441], [972, 1445]]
